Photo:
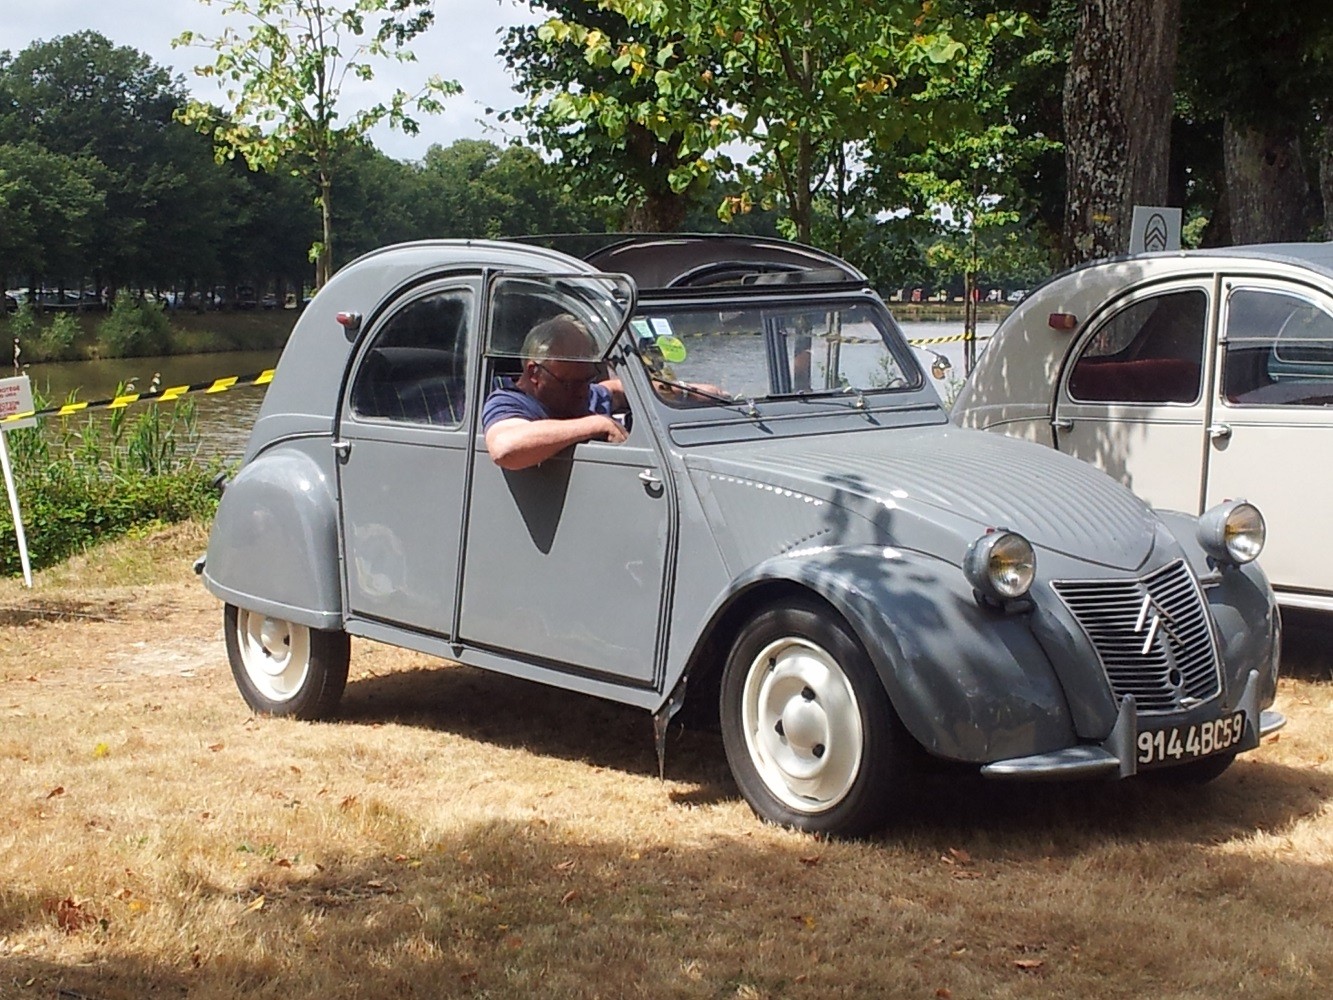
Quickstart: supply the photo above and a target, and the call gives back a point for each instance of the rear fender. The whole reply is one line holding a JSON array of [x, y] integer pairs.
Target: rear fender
[[274, 543]]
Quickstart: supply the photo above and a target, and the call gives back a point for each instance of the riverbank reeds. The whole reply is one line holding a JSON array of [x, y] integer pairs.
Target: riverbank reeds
[[87, 479]]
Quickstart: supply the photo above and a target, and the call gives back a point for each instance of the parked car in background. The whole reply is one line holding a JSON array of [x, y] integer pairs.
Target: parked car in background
[[1190, 377], [792, 541], [11, 302]]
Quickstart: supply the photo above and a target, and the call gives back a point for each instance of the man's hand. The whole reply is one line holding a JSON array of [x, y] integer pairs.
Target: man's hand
[[608, 429]]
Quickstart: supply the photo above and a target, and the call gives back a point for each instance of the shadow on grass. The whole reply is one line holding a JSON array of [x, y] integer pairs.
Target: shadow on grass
[[1254, 796], [508, 908], [506, 711]]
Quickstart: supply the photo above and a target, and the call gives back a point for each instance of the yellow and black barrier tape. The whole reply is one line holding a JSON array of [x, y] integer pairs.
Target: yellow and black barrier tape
[[166, 395], [956, 338]]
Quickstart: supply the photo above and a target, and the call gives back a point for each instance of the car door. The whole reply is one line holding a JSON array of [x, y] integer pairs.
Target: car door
[[566, 562], [403, 449], [1270, 424], [1130, 400]]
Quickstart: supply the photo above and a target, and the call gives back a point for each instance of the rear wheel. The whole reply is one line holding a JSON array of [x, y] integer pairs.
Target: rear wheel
[[811, 738], [283, 668]]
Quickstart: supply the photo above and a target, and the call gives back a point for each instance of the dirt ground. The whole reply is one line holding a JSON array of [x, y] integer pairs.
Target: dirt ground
[[458, 833]]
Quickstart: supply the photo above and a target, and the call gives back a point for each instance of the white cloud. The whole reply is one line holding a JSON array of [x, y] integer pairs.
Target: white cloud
[[461, 46]]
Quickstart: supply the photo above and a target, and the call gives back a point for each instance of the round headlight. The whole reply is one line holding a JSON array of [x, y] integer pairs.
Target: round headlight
[[1233, 532], [1001, 565]]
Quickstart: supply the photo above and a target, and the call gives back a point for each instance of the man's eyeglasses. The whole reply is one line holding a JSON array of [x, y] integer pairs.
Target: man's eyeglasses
[[569, 383]]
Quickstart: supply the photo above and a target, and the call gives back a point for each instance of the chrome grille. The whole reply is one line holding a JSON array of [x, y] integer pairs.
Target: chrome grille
[[1166, 666]]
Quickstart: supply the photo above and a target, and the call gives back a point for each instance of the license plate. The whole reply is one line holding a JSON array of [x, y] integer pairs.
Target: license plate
[[1175, 744]]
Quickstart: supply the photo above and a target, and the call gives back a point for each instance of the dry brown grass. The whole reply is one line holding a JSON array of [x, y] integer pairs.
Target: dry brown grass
[[462, 834]]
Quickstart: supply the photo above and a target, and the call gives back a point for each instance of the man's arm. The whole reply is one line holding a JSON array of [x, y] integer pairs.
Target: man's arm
[[516, 443]]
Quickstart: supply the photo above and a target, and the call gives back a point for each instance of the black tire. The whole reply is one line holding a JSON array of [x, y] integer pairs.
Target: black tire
[[811, 738], [286, 669]]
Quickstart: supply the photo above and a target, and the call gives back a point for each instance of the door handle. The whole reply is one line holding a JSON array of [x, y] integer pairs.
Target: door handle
[[342, 449], [1062, 424], [1219, 432], [649, 478]]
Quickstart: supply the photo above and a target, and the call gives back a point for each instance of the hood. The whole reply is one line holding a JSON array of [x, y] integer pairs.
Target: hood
[[945, 474]]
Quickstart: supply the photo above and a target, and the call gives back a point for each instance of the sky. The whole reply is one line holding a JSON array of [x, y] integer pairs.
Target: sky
[[461, 46]]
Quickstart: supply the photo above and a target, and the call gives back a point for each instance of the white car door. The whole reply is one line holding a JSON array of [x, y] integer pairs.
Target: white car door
[[1131, 399], [1270, 422]]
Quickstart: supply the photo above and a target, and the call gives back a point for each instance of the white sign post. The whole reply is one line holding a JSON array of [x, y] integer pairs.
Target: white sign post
[[1154, 229], [15, 397]]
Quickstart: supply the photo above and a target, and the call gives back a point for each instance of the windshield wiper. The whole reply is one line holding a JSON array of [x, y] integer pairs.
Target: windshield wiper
[[694, 390]]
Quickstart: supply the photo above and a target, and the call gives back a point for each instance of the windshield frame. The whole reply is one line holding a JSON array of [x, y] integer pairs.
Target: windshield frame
[[780, 305]]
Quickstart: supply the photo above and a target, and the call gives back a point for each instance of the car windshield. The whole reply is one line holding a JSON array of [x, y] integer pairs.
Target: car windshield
[[770, 350]]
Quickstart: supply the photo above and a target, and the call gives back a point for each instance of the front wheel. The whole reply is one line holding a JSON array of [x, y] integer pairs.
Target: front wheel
[[283, 668], [811, 738]]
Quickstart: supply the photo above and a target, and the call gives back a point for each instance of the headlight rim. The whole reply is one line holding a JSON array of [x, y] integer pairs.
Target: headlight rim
[[1216, 536], [978, 567]]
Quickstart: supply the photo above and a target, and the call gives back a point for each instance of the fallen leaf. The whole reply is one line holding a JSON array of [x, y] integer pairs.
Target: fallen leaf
[[348, 802], [101, 750], [255, 905], [71, 917], [124, 894], [1029, 964], [963, 875], [564, 866], [812, 860], [569, 897], [215, 747], [804, 919], [58, 790], [944, 993], [960, 855], [375, 884], [283, 863]]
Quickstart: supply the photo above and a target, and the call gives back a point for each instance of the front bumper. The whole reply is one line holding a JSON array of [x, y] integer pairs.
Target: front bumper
[[1117, 756]]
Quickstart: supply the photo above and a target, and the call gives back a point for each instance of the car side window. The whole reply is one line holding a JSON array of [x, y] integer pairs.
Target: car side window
[[1149, 352], [415, 369], [1279, 350]]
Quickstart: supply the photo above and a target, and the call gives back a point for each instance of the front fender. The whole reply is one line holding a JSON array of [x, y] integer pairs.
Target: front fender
[[969, 684], [274, 543]]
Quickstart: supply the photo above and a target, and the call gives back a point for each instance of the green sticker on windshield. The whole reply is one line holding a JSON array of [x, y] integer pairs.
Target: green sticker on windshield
[[672, 348]]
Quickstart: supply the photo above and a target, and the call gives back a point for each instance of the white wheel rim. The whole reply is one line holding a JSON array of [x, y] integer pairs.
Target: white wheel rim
[[802, 725], [275, 653]]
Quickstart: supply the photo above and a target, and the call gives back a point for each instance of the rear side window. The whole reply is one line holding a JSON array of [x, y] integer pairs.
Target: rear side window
[[1279, 350], [1149, 352], [415, 369]]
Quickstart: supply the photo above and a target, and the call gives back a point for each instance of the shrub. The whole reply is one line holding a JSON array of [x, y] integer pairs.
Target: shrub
[[97, 477], [58, 340], [133, 329]]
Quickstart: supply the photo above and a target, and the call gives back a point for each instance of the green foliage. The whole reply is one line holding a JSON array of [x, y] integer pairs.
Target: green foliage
[[283, 78], [133, 329], [90, 479], [806, 87], [58, 340]]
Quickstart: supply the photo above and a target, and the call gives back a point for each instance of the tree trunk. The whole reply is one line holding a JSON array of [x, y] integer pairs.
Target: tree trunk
[[324, 263], [656, 212], [1117, 113], [1266, 186], [1326, 170]]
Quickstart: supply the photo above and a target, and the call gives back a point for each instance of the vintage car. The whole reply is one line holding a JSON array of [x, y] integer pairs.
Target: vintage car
[[1190, 377], [800, 546]]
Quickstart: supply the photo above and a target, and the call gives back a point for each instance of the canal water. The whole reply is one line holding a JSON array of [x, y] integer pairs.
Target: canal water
[[225, 418]]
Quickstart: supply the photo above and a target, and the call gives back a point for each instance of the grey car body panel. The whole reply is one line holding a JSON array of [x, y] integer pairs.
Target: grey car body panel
[[279, 518], [870, 503]]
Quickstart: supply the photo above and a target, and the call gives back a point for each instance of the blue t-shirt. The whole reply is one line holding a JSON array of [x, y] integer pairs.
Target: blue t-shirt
[[508, 401]]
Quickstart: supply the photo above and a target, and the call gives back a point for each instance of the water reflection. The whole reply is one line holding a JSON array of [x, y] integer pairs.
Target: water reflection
[[225, 418]]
